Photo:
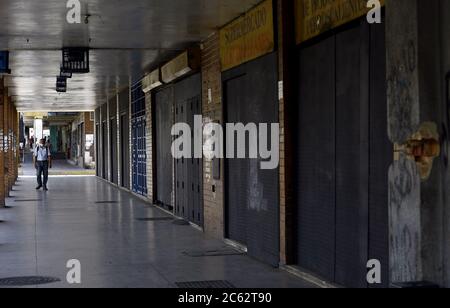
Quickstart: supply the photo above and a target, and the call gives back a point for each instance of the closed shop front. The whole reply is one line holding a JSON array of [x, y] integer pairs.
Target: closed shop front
[[188, 171], [138, 128], [97, 143], [124, 125], [251, 96], [178, 182], [163, 119], [104, 141], [342, 154], [113, 140]]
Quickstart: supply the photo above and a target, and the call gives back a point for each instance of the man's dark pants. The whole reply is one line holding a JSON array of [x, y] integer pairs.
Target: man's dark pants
[[42, 169]]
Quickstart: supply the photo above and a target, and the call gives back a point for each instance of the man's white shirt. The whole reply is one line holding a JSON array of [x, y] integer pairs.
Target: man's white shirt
[[42, 153]]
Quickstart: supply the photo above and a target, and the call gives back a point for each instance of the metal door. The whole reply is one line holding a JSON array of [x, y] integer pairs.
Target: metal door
[[138, 124], [341, 185], [252, 194], [113, 152], [104, 149], [124, 110], [125, 150], [188, 183], [163, 119]]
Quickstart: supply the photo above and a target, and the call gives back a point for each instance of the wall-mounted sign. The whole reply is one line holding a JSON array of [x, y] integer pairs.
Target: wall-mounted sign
[[248, 37], [4, 62], [75, 60], [314, 17]]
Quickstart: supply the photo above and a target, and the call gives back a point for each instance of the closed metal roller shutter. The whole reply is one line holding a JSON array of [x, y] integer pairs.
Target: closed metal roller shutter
[[113, 140], [164, 161], [124, 105], [343, 155], [252, 194]]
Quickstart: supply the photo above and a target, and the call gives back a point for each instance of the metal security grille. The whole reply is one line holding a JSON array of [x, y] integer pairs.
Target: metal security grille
[[155, 219], [124, 123], [139, 144], [218, 284]]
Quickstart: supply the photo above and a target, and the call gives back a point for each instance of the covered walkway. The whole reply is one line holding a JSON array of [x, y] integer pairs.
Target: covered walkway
[[109, 231]]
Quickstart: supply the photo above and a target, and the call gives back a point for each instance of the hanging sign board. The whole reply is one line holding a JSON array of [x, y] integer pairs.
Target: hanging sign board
[[314, 17], [248, 37]]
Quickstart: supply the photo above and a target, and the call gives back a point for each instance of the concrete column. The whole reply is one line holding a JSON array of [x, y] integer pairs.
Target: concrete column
[[445, 33], [414, 97], [38, 129]]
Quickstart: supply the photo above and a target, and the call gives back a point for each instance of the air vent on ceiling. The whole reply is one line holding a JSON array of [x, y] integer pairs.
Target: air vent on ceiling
[[189, 61], [151, 81]]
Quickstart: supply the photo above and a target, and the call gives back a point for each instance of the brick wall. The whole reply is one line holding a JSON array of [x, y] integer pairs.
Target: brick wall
[[88, 124], [213, 192], [2, 166]]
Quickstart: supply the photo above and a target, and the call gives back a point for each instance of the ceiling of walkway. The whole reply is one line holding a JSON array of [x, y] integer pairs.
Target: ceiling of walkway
[[126, 38]]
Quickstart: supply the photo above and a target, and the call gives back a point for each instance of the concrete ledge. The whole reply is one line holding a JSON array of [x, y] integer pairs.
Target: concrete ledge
[[311, 278]]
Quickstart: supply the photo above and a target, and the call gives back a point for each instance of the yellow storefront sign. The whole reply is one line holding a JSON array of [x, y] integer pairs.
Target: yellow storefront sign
[[315, 17], [248, 37]]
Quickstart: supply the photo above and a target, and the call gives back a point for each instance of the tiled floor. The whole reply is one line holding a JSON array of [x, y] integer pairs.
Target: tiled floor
[[114, 248]]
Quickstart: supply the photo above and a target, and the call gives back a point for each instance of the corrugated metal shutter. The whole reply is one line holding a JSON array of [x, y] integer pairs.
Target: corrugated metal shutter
[[164, 160], [343, 155], [252, 194]]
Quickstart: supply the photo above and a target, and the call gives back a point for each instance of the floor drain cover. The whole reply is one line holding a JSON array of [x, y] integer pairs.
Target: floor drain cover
[[154, 219], [213, 253], [29, 200], [106, 202], [27, 281], [218, 284], [181, 222]]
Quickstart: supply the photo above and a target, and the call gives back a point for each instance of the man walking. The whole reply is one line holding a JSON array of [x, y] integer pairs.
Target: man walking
[[42, 159]]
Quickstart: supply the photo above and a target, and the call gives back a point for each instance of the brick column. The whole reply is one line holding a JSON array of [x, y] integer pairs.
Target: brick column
[[286, 50], [213, 189], [10, 144], [5, 116], [16, 145], [2, 161]]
